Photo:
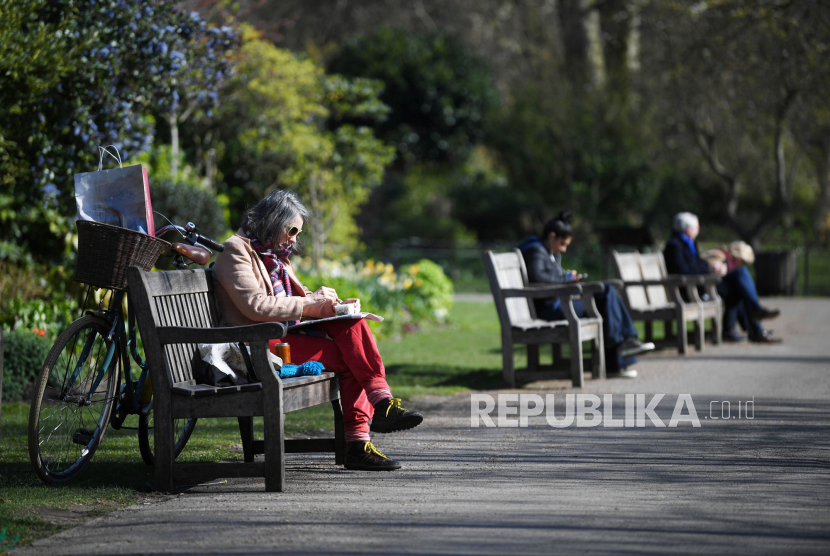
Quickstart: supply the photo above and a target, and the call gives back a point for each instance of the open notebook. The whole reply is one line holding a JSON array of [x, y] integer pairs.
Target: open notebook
[[309, 323]]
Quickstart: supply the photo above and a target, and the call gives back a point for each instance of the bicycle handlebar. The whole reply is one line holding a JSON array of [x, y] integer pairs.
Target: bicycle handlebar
[[192, 235]]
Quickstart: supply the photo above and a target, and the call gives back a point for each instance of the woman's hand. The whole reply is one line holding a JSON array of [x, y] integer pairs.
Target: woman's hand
[[325, 294], [318, 309], [320, 304]]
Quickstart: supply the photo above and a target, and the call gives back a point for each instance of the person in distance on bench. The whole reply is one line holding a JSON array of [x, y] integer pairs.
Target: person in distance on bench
[[543, 259], [737, 288]]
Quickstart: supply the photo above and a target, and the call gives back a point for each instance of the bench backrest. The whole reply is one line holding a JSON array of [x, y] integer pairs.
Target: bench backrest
[[634, 267], [654, 268], [176, 298], [507, 270]]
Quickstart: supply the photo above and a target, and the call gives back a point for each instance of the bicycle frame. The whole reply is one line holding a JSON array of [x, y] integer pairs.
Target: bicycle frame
[[127, 403]]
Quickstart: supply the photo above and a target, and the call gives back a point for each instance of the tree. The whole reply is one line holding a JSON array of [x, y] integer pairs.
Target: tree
[[283, 124], [78, 78], [733, 75], [437, 91]]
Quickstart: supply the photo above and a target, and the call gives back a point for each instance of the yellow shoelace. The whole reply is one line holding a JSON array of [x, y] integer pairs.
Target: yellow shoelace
[[394, 402], [370, 449]]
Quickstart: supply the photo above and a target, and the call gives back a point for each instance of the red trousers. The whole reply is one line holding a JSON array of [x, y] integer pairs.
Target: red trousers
[[353, 355]]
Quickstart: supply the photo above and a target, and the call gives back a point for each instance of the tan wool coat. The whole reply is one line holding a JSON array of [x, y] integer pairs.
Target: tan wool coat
[[243, 287]]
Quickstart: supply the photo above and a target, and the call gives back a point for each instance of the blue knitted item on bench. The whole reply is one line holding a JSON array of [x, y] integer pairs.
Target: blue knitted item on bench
[[309, 368]]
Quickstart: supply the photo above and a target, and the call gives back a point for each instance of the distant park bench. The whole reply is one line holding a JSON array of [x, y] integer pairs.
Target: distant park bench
[[651, 294], [176, 311], [514, 297]]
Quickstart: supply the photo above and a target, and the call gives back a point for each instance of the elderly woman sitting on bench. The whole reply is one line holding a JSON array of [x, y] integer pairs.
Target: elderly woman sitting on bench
[[255, 282]]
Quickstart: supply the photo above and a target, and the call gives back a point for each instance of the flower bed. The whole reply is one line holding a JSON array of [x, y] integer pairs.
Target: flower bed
[[414, 296]]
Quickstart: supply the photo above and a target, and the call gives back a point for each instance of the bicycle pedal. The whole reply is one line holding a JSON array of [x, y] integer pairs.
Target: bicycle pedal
[[82, 437]]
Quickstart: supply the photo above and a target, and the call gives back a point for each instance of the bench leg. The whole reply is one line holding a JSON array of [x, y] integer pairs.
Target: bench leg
[[577, 375], [246, 431], [274, 443], [649, 330], [508, 371], [533, 357], [339, 434], [556, 353], [717, 324], [682, 337], [163, 443], [700, 331]]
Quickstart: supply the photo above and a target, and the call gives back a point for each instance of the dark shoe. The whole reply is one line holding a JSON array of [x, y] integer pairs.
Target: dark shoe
[[363, 456], [762, 313], [765, 337], [633, 346], [625, 373], [733, 337], [391, 417]]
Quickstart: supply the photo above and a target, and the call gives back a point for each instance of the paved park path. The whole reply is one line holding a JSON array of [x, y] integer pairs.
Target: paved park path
[[740, 485]]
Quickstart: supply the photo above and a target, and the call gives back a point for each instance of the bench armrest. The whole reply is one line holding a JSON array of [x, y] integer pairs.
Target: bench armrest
[[592, 287], [616, 282], [249, 333], [670, 281], [543, 291], [710, 278]]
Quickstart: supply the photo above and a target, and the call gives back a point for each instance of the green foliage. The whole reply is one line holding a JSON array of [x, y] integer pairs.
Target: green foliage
[[580, 151], [183, 203], [24, 352], [438, 92], [283, 126], [417, 295], [35, 297], [78, 76]]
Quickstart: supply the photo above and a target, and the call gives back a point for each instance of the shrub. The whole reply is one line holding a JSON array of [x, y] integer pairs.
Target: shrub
[[183, 203], [417, 295], [51, 316], [24, 352]]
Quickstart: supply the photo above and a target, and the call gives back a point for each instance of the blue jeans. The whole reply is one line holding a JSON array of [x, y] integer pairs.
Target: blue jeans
[[617, 325], [741, 300]]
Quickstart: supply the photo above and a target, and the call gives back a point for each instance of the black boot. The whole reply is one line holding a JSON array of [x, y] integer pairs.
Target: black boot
[[391, 417], [363, 456]]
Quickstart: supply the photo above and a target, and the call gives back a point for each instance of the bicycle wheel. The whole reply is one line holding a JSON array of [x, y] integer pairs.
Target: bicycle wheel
[[182, 429], [74, 398]]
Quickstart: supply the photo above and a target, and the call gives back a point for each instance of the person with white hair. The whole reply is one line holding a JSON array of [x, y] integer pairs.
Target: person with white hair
[[737, 287]]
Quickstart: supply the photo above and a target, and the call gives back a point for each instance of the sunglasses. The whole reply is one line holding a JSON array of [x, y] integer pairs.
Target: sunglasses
[[292, 231]]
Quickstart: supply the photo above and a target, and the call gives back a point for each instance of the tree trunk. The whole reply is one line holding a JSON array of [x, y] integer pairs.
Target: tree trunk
[[616, 25], [173, 120]]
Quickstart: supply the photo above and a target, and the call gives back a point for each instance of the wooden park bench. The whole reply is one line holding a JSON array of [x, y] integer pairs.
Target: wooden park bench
[[651, 294], [175, 312], [514, 297]]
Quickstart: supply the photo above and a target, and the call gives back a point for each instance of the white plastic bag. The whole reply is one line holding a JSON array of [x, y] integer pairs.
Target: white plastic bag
[[225, 363]]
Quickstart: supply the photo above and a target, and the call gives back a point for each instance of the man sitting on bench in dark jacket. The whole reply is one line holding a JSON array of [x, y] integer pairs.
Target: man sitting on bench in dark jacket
[[737, 287]]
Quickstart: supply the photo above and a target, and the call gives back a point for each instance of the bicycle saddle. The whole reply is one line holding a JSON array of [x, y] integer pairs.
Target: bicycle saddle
[[198, 255]]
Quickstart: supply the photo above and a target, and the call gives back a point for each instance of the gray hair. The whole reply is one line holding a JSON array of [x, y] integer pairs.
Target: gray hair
[[684, 220], [271, 215]]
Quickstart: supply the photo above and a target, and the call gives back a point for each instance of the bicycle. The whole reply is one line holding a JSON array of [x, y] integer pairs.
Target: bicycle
[[80, 391]]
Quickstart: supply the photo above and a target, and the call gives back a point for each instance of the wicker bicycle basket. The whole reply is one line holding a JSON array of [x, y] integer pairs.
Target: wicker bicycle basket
[[105, 252]]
